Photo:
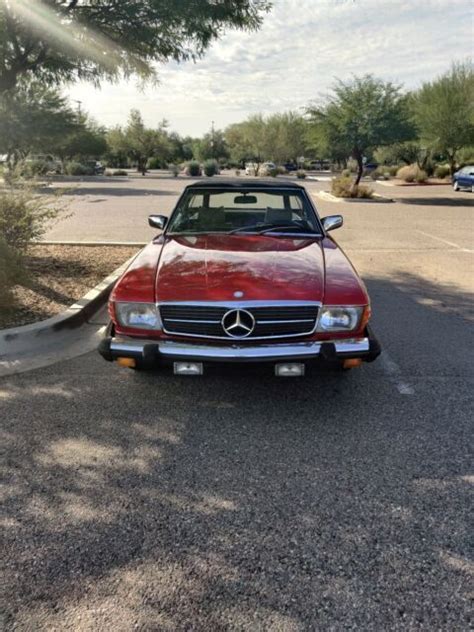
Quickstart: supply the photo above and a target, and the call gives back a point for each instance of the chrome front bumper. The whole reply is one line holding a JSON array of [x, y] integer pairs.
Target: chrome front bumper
[[151, 351]]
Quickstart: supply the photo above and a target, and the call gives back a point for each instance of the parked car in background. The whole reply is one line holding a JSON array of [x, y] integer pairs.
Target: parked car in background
[[290, 166], [96, 167], [319, 165], [266, 168], [251, 168], [464, 179], [243, 272]]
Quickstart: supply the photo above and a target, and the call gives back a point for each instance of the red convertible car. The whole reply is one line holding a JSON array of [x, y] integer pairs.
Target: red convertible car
[[241, 272]]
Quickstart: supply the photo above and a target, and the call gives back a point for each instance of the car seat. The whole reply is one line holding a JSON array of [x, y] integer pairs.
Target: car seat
[[278, 216]]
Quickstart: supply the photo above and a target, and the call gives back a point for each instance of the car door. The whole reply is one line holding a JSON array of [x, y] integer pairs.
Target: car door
[[464, 178]]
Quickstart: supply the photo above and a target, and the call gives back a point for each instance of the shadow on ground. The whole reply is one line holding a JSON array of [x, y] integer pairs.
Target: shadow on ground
[[462, 200], [238, 501], [108, 191]]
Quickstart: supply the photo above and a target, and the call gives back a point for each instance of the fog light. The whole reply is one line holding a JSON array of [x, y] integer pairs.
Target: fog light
[[289, 370], [126, 362], [188, 368]]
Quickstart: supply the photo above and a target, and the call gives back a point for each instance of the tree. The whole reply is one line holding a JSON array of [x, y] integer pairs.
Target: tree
[[34, 117], [138, 142], [409, 152], [285, 137], [63, 40], [211, 145], [87, 140], [247, 140], [444, 111], [361, 115]]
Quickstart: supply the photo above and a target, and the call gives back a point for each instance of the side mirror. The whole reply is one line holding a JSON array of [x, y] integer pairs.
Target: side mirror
[[332, 222], [157, 221]]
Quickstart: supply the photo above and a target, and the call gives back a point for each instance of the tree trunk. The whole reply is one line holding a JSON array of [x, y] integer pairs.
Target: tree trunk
[[452, 162], [357, 155]]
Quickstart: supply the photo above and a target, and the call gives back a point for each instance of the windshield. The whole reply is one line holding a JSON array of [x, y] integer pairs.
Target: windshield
[[282, 211]]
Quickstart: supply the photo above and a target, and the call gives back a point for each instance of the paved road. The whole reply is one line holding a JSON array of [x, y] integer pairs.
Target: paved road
[[239, 502]]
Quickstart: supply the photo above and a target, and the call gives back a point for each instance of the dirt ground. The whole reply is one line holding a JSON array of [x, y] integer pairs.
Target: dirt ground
[[58, 276]]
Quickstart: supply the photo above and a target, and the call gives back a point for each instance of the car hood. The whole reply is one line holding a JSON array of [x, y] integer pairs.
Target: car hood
[[251, 267]]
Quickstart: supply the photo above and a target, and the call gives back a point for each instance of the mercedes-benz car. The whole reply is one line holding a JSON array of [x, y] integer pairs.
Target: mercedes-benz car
[[241, 272]]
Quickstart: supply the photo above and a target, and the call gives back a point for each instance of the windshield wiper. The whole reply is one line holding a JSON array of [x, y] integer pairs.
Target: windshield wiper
[[296, 228], [253, 227]]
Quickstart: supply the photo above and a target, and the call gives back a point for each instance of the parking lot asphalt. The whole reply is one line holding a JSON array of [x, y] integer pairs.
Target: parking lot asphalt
[[239, 501]]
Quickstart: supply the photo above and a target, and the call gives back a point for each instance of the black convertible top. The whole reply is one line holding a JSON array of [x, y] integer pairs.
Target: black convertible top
[[241, 184]]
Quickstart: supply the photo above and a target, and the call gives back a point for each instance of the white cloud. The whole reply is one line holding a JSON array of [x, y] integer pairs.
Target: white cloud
[[294, 58]]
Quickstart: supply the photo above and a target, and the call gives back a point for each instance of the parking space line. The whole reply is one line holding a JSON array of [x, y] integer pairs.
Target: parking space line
[[444, 241], [394, 373]]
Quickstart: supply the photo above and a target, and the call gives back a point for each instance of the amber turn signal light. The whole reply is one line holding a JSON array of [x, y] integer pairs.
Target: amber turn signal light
[[126, 362], [352, 363]]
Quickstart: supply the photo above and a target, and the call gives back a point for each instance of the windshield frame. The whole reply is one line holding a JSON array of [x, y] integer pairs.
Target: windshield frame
[[245, 190]]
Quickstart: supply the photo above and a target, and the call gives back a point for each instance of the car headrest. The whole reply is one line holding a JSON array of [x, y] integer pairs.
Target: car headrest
[[278, 215]]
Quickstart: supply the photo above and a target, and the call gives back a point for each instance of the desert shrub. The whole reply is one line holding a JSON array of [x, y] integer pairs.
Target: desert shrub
[[301, 174], [412, 173], [210, 168], [120, 172], [237, 172], [281, 170], [273, 172], [345, 173], [342, 187], [78, 169], [381, 173], [193, 168], [11, 273], [25, 215], [36, 168], [174, 170], [442, 171]]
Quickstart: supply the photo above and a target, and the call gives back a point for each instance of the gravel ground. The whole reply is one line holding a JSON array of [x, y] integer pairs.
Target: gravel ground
[[60, 275]]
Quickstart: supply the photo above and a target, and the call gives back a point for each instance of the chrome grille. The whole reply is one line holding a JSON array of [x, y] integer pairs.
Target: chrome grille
[[271, 321]]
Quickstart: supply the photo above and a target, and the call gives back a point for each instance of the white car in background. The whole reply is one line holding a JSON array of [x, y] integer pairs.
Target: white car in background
[[259, 169]]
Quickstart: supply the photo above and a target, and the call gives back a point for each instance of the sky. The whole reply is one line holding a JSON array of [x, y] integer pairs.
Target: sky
[[293, 60]]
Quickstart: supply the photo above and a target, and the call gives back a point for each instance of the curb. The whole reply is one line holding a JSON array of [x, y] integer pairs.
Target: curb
[[377, 199], [19, 339]]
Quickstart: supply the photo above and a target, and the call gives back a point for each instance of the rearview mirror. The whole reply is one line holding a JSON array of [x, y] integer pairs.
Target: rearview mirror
[[332, 221], [157, 221], [245, 199]]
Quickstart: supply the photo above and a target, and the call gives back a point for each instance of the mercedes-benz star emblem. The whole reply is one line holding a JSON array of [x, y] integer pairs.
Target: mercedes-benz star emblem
[[238, 323]]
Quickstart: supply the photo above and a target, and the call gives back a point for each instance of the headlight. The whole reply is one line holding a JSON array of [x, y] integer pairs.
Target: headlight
[[339, 318], [138, 315]]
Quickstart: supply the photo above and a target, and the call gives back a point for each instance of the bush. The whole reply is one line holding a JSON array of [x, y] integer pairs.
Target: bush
[[11, 273], [211, 168], [193, 168], [25, 215], [345, 173], [154, 163], [78, 169], [342, 187], [442, 171], [237, 172], [300, 174], [412, 173], [36, 168], [273, 172]]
